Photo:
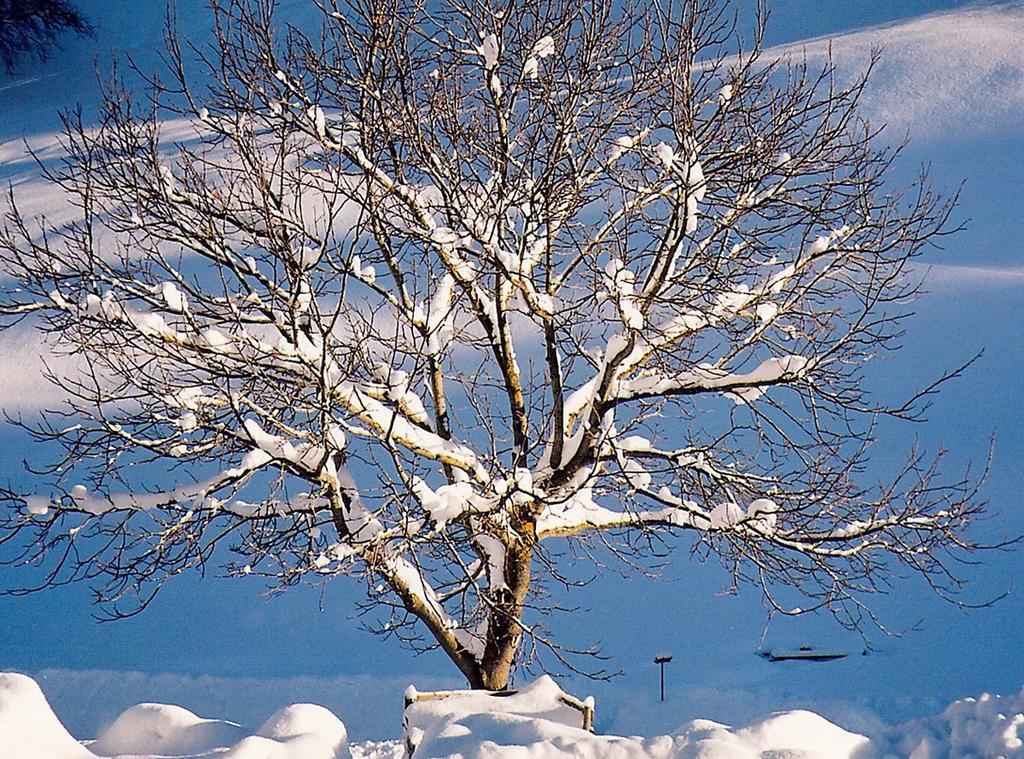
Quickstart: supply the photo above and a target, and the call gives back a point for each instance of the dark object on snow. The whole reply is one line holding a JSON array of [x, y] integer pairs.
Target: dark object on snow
[[804, 653], [31, 27]]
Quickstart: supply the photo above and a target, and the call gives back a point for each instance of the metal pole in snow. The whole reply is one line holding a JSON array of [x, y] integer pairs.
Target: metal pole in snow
[[661, 661]]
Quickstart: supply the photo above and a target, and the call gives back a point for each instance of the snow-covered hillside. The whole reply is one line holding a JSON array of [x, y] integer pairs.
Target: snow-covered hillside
[[529, 725]]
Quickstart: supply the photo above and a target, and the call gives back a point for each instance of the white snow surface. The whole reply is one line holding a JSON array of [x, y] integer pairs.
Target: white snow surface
[[164, 729], [302, 731], [28, 727], [30, 730], [533, 724]]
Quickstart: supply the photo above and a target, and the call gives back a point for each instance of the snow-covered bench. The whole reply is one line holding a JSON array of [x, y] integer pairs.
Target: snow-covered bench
[[445, 714]]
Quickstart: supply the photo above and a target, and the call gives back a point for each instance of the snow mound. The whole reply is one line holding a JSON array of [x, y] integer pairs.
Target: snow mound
[[479, 724], [795, 735], [532, 724], [512, 736], [535, 723], [304, 719], [798, 730], [164, 729], [541, 699], [28, 727], [300, 731], [981, 727], [30, 730]]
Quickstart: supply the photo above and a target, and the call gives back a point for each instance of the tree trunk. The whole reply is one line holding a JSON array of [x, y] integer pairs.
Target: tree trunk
[[504, 629]]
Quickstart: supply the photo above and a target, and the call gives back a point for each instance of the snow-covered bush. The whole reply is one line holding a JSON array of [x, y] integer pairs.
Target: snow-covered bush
[[449, 283]]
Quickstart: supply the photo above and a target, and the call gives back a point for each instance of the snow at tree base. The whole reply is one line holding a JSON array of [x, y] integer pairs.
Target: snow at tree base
[[531, 724]]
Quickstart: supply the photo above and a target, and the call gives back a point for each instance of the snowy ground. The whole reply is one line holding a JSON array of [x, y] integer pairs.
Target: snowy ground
[[530, 725]]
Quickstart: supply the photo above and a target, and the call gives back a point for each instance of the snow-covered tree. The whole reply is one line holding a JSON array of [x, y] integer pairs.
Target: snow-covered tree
[[447, 283]]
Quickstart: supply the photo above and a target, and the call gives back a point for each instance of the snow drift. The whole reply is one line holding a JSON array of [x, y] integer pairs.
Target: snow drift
[[300, 731], [163, 729], [28, 728], [987, 726], [534, 724]]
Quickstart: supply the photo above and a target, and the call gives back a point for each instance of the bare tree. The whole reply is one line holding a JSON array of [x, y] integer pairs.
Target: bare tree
[[31, 27], [451, 282]]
